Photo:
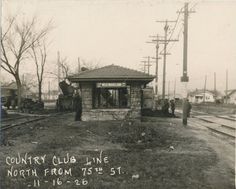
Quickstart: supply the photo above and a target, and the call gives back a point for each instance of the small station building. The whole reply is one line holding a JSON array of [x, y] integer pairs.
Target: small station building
[[111, 92]]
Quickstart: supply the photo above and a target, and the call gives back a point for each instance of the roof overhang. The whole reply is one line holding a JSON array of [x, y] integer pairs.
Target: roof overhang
[[77, 80]]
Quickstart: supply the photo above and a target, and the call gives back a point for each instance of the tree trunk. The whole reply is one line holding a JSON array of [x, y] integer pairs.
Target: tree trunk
[[19, 90], [40, 92]]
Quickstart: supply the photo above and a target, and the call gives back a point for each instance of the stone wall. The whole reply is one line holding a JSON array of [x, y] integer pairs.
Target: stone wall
[[90, 114], [105, 114], [135, 98], [86, 94]]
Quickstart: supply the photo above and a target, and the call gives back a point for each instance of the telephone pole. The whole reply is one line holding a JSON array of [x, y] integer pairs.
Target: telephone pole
[[147, 63], [215, 82], [186, 12], [226, 88], [215, 85], [204, 94], [49, 90], [166, 41], [58, 70], [79, 65], [185, 78], [156, 41], [174, 89], [168, 89]]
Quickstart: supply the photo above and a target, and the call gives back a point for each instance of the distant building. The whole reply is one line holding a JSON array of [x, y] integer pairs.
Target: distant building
[[231, 97], [10, 89], [50, 95], [176, 96], [199, 96], [7, 91]]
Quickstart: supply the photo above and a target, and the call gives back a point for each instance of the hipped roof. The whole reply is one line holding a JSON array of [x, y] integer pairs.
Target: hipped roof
[[111, 73]]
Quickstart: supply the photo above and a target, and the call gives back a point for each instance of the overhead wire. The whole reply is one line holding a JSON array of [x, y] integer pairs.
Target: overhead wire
[[176, 23], [173, 30], [178, 37]]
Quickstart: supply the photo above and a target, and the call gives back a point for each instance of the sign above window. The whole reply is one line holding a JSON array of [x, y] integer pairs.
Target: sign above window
[[110, 85]]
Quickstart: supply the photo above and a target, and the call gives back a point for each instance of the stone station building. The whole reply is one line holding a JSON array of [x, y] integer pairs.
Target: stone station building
[[111, 92]]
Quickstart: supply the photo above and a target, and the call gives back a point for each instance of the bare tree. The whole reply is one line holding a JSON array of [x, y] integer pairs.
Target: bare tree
[[65, 68], [17, 38], [90, 65], [28, 82], [39, 56]]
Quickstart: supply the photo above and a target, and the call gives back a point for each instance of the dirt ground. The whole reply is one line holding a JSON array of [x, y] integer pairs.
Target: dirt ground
[[155, 153]]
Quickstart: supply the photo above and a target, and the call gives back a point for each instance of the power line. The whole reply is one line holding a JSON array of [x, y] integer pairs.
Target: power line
[[194, 5], [173, 30], [178, 37], [166, 41], [176, 23]]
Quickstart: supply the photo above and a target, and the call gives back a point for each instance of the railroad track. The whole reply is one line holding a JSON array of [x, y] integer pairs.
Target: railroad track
[[20, 123], [13, 118], [224, 125], [11, 122], [216, 124]]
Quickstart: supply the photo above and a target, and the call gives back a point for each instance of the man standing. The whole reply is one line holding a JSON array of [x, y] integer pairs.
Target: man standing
[[186, 111], [165, 107], [78, 106], [172, 106], [189, 107]]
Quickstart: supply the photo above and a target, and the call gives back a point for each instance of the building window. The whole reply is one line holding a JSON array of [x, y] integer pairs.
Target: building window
[[111, 96]]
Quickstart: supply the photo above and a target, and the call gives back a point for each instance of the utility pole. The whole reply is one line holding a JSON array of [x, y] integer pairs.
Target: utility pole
[[215, 85], [204, 94], [226, 88], [144, 65], [215, 82], [185, 78], [166, 41], [168, 89], [164, 62], [58, 70], [174, 88], [79, 65], [49, 90], [157, 41], [147, 63]]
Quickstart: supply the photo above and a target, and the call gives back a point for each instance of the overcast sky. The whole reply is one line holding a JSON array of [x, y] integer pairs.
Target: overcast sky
[[116, 32]]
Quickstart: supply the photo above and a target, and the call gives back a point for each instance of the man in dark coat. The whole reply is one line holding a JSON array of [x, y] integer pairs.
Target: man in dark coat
[[186, 110], [165, 107], [78, 107], [189, 107], [172, 106]]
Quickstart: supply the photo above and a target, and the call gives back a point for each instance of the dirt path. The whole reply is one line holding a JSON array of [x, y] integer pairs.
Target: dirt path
[[225, 150]]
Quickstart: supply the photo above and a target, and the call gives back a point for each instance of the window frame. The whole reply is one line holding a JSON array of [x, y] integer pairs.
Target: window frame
[[96, 97]]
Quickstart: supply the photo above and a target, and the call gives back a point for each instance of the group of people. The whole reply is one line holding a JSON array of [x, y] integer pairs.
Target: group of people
[[168, 105], [171, 105]]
